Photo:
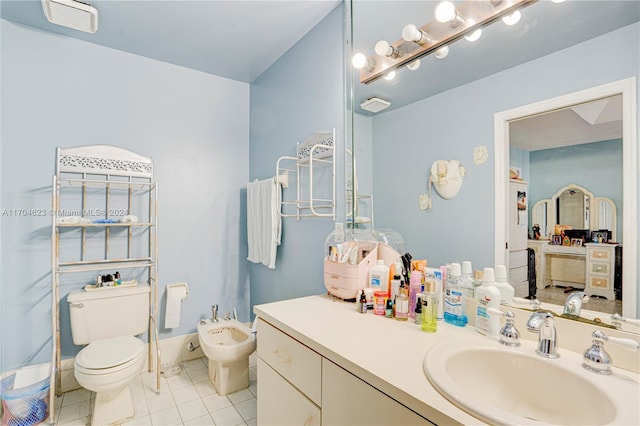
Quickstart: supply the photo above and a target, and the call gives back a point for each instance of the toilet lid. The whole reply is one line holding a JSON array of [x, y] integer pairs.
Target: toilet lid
[[109, 353]]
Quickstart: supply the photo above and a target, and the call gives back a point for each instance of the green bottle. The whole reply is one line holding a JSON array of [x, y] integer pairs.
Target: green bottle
[[430, 307]]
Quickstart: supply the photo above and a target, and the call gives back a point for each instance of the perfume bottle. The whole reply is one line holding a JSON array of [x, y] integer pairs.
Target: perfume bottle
[[430, 307], [402, 304]]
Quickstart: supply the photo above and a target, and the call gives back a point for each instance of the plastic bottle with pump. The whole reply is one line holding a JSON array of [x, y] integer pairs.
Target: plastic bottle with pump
[[506, 290], [487, 296], [454, 299], [430, 307]]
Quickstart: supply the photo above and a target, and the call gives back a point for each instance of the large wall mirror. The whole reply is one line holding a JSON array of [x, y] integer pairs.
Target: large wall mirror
[[581, 173], [444, 110]]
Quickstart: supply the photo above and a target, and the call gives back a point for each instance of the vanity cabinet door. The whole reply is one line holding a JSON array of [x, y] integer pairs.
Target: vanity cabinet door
[[280, 403], [347, 400]]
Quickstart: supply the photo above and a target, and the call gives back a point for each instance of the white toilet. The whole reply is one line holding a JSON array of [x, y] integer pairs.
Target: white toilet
[[107, 321], [227, 344]]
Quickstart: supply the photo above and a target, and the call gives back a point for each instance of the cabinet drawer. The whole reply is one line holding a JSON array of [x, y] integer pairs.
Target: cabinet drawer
[[279, 403], [517, 275], [295, 362], [600, 268], [599, 282], [597, 254], [517, 259]]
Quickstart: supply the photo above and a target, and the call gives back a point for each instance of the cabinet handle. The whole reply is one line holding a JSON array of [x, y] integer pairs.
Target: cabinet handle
[[309, 421], [284, 357], [76, 305]]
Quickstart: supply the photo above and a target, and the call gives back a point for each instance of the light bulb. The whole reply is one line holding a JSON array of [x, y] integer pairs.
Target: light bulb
[[474, 36], [383, 48], [359, 60], [445, 12], [512, 19], [390, 75], [557, 1], [414, 65], [442, 52]]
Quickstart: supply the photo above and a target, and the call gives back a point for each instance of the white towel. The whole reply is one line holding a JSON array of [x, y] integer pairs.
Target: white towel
[[264, 223]]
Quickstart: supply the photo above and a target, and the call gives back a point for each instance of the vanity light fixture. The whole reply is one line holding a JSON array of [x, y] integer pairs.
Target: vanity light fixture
[[512, 19], [72, 14], [414, 65], [390, 75], [453, 22]]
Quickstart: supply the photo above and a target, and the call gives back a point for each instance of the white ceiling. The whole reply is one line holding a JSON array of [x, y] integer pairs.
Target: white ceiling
[[595, 121], [233, 39]]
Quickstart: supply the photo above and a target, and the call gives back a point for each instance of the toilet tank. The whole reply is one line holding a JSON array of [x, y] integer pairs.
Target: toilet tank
[[108, 312]]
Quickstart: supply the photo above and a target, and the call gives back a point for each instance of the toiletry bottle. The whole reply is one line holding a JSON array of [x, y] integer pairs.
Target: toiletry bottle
[[118, 281], [402, 304], [487, 296], [395, 284], [363, 302], [440, 292], [415, 283], [417, 312], [388, 313], [466, 278], [430, 307], [506, 290], [454, 303], [379, 277]]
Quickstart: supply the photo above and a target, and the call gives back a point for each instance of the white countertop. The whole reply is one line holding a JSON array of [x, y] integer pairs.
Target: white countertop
[[386, 353]]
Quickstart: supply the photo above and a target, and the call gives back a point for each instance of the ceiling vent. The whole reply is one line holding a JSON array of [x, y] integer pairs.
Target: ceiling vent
[[72, 14], [375, 105]]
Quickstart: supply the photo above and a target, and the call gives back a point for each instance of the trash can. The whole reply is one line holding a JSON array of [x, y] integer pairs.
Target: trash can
[[25, 406]]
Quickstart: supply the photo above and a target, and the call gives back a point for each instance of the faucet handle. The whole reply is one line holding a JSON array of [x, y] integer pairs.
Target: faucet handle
[[548, 342], [597, 359], [214, 313], [617, 320], [509, 334], [235, 314]]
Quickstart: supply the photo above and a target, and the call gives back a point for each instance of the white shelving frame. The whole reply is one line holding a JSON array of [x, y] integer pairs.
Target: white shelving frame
[[105, 168], [317, 150]]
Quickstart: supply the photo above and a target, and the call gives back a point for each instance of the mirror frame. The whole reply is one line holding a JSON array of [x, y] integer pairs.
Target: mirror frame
[[543, 205], [627, 88]]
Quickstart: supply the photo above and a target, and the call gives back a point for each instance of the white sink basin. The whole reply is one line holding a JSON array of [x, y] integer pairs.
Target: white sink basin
[[503, 385]]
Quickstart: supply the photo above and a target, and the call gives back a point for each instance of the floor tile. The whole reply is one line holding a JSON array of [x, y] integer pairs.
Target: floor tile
[[167, 417], [192, 409], [198, 376], [216, 402], [205, 388], [160, 402], [185, 394], [248, 409], [252, 422], [253, 387], [141, 408], [227, 417], [179, 381], [76, 396], [201, 421], [74, 411], [141, 421], [194, 365], [84, 421], [241, 395]]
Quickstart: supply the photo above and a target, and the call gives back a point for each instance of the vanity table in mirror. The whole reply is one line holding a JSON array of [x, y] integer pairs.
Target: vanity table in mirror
[[592, 260]]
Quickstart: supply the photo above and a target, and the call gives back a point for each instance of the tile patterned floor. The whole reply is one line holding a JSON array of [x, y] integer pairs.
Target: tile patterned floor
[[557, 296], [187, 398]]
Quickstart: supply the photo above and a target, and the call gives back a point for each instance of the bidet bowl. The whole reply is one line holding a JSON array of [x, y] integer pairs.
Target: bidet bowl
[[504, 385], [226, 340]]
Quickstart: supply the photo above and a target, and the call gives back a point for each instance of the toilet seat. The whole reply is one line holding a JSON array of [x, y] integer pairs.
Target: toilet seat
[[109, 355]]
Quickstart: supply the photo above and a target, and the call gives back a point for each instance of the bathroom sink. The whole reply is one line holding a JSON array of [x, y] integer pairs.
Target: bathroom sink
[[503, 385]]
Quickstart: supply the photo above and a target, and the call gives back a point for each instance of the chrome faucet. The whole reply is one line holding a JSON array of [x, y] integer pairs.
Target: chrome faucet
[[543, 324], [509, 335], [596, 359], [573, 304], [214, 313]]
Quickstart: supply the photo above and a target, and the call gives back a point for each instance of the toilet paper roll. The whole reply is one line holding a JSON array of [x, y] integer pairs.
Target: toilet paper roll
[[176, 293]]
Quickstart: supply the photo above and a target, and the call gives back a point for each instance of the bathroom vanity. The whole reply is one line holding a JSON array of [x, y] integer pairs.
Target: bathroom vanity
[[321, 362]]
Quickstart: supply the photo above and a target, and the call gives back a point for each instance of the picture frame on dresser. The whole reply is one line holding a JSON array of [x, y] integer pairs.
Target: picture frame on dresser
[[601, 236], [576, 242], [556, 240]]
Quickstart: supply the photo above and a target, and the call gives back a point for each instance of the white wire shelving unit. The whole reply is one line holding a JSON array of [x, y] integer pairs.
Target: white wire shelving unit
[[316, 152], [103, 184]]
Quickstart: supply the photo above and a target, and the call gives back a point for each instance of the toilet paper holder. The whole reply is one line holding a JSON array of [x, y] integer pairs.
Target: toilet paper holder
[[176, 293]]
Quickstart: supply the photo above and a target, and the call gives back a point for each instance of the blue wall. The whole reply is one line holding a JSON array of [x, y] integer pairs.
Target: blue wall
[[303, 92], [449, 125], [595, 166], [58, 91]]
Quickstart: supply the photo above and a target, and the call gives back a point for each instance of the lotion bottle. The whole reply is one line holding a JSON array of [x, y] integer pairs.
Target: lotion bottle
[[506, 290], [487, 296], [402, 304], [379, 277]]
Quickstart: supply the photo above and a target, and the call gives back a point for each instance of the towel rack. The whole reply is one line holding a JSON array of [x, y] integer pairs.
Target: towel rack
[[314, 161]]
